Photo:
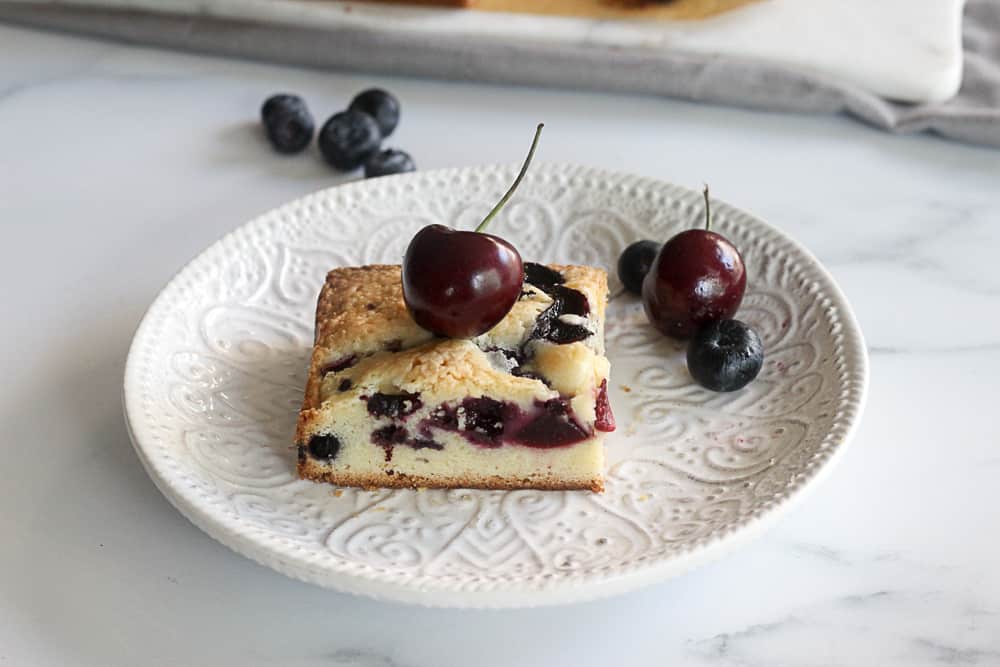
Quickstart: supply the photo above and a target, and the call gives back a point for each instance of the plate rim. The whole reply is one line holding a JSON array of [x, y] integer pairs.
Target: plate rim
[[516, 593]]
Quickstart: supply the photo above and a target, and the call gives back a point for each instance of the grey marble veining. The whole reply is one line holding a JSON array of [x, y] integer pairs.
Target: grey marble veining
[[120, 164]]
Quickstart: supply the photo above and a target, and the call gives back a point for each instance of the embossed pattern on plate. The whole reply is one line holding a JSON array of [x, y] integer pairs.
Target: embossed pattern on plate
[[216, 370]]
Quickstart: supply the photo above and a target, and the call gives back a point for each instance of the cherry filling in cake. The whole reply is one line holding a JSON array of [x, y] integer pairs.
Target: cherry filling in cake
[[565, 320], [491, 423], [523, 405]]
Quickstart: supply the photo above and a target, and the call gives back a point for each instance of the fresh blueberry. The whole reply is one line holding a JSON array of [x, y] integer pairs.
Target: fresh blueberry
[[634, 264], [381, 106], [387, 162], [287, 122], [277, 103], [348, 139], [725, 355], [324, 446]]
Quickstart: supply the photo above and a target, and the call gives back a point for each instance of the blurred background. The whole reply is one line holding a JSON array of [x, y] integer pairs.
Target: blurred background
[[868, 131]]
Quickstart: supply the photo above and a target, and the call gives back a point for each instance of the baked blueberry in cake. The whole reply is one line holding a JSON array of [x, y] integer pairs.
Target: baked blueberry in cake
[[523, 405]]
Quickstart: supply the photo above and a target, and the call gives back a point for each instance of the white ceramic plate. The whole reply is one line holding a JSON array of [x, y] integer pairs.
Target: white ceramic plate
[[216, 370]]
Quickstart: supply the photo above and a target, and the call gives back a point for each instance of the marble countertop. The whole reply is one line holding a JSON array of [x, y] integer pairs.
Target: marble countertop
[[119, 164]]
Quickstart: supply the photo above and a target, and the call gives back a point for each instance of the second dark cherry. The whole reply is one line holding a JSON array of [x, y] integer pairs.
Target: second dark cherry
[[698, 277]]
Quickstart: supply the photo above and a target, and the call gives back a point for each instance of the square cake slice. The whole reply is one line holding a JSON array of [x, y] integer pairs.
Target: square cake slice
[[523, 406]]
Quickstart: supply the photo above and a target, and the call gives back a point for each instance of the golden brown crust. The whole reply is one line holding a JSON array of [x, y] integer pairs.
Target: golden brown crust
[[318, 473], [361, 309]]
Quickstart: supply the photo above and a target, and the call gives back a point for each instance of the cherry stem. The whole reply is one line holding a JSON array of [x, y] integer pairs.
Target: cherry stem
[[708, 210], [517, 181]]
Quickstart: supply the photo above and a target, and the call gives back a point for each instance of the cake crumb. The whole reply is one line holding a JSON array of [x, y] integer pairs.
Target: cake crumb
[[643, 498], [338, 493], [626, 388]]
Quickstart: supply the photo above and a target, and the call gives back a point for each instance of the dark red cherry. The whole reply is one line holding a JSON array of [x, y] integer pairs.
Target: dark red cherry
[[461, 284], [698, 277]]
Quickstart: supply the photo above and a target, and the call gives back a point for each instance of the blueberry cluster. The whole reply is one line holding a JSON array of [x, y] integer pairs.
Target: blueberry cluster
[[691, 286], [350, 139]]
